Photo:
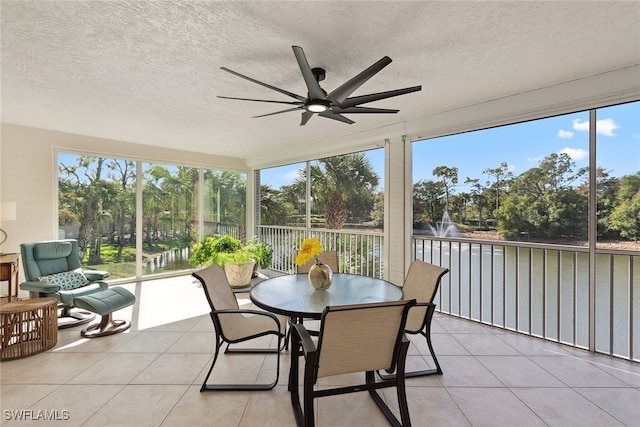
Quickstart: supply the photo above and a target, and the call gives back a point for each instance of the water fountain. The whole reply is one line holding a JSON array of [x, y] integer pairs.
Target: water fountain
[[445, 228]]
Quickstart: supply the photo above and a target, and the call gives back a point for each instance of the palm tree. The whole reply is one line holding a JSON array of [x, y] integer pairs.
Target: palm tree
[[344, 184]]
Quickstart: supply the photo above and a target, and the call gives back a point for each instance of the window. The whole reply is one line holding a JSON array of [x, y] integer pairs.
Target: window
[[345, 209], [97, 206]]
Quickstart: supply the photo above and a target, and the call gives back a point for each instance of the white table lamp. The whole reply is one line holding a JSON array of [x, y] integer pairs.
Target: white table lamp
[[7, 213]]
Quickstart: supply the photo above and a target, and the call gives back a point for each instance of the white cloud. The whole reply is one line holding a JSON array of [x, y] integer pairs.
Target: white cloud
[[606, 127], [565, 134], [291, 175], [580, 125], [575, 153]]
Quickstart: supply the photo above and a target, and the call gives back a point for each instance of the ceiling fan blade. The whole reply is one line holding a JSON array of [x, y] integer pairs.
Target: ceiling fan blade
[[355, 110], [357, 100], [305, 117], [341, 93], [336, 116], [278, 112], [293, 95], [262, 100], [315, 91]]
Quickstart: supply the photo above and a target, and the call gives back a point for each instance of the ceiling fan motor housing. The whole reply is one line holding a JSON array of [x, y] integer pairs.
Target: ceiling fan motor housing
[[319, 74]]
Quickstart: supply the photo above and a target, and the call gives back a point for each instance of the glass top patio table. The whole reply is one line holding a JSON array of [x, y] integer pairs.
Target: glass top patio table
[[292, 295]]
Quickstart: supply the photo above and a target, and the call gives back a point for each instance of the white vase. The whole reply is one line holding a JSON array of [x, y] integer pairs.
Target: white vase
[[320, 276]]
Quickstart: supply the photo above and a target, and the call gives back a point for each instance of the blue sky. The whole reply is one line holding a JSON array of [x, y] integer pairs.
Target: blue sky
[[521, 146]]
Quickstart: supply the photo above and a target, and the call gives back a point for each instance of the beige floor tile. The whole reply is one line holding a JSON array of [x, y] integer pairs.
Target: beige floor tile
[[195, 342], [150, 342], [530, 346], [446, 344], [519, 371], [353, 409], [577, 372], [71, 405], [22, 396], [490, 407], [429, 406], [117, 368], [466, 371], [208, 408], [139, 405], [269, 409], [50, 368], [73, 342], [622, 404], [173, 368], [485, 344], [560, 407]]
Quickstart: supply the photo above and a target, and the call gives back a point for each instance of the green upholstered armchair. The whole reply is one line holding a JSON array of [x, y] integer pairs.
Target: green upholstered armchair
[[53, 269]]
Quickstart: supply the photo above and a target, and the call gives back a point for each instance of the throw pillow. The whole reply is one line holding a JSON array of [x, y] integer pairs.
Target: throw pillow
[[66, 280]]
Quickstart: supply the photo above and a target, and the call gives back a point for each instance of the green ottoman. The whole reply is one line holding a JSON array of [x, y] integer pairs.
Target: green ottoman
[[105, 303]]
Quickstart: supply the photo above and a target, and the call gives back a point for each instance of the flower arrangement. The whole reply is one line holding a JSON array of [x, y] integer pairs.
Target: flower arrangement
[[309, 248]]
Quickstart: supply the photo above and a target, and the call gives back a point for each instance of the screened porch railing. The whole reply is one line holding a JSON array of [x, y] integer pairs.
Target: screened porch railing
[[541, 290], [359, 252]]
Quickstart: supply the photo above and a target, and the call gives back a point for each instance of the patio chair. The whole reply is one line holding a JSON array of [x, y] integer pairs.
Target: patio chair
[[53, 269], [421, 283], [235, 325], [353, 338]]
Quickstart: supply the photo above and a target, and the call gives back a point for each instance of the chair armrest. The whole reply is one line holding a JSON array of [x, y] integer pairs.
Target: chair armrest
[[423, 304], [304, 337], [43, 287], [96, 275]]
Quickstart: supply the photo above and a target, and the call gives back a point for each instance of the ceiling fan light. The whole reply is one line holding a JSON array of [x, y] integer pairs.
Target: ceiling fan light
[[317, 106]]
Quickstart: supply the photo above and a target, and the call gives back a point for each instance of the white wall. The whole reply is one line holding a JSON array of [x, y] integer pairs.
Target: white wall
[[28, 167]]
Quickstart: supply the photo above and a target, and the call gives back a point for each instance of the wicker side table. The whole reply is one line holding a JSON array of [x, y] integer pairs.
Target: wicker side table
[[28, 327]]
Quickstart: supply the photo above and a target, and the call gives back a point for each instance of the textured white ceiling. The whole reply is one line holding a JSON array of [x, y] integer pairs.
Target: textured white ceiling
[[149, 72]]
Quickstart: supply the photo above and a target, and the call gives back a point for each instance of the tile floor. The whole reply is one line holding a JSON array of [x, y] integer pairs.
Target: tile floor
[[151, 376]]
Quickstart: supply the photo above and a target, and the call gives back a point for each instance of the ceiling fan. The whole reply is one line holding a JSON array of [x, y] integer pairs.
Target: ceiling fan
[[334, 104]]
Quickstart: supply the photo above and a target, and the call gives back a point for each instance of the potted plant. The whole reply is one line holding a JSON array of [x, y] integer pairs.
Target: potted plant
[[262, 252], [228, 253]]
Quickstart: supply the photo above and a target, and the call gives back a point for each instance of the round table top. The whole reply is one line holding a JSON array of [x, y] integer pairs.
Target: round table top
[[27, 305], [292, 295]]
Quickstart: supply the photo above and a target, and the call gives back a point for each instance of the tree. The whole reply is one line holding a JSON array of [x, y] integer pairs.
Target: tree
[[274, 209], [427, 200], [502, 175], [625, 218], [449, 180], [377, 216], [170, 203], [86, 193], [606, 200], [478, 197], [542, 201], [343, 185], [122, 178]]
